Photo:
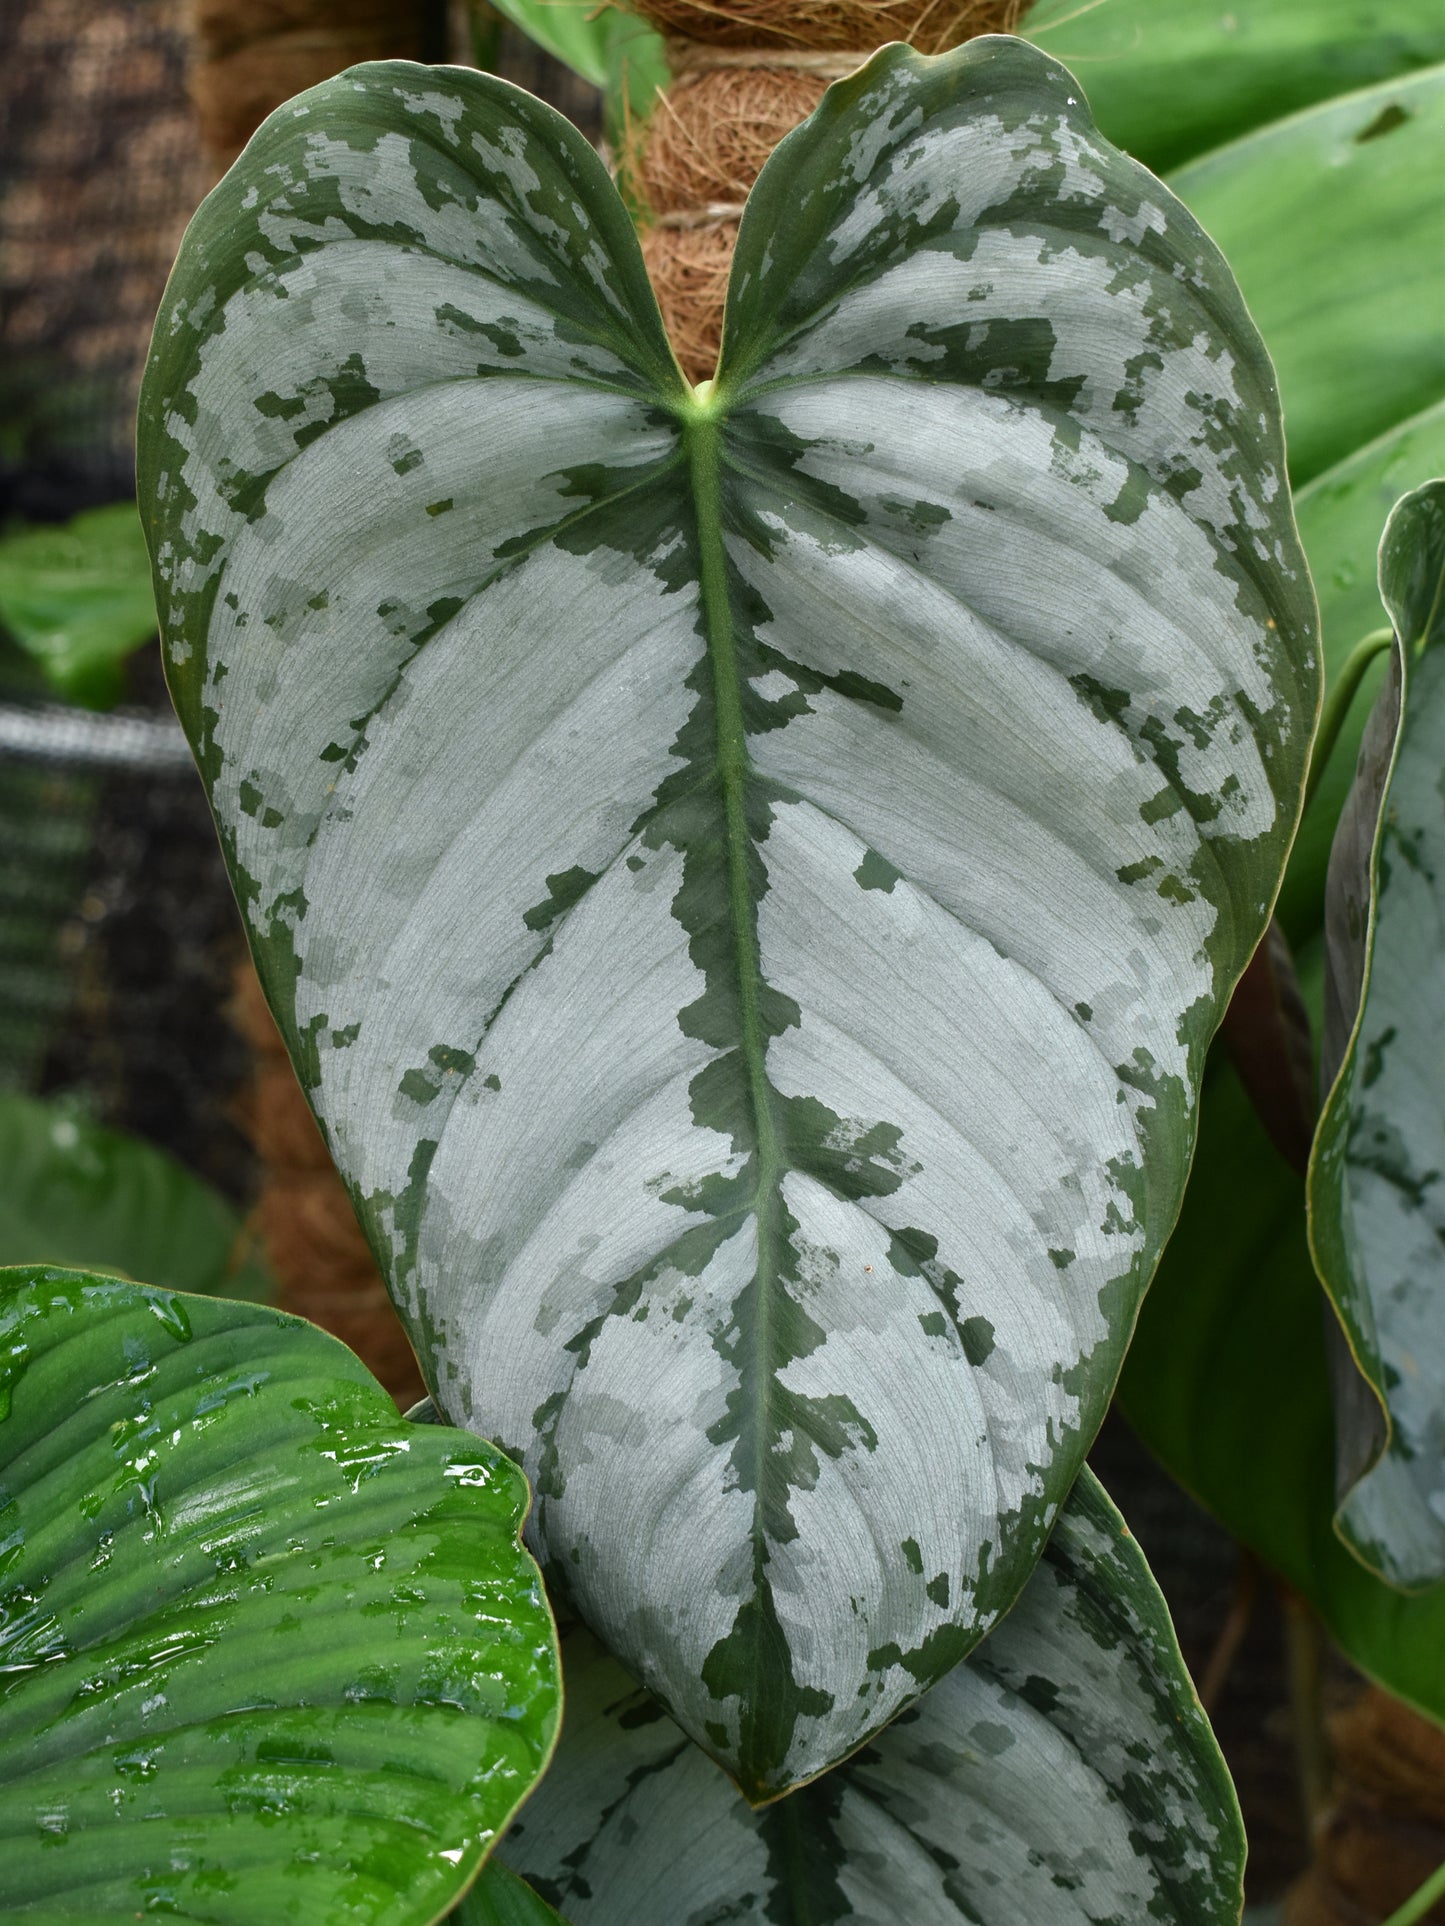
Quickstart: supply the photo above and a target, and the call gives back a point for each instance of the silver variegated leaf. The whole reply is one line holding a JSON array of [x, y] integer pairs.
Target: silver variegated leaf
[[1377, 1178], [1063, 1776], [747, 874]]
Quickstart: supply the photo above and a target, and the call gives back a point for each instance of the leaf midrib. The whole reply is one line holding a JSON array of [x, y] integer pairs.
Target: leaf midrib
[[704, 444]]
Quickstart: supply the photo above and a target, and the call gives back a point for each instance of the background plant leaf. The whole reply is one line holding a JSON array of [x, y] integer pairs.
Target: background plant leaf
[[1246, 65], [80, 1196], [268, 1651], [1063, 1774], [499, 1898], [1340, 516], [763, 1062], [1228, 1382], [1377, 1209], [1352, 179], [78, 599], [617, 51]]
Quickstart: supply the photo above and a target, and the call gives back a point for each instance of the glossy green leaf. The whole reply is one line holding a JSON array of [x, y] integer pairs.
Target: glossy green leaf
[[748, 876], [1065, 1774], [1169, 79], [1354, 180], [615, 50], [1228, 1382], [1377, 1205], [499, 1898], [268, 1652], [78, 1195], [1340, 516], [78, 599]]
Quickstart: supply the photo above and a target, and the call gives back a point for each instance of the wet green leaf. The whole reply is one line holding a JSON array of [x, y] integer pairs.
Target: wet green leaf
[[1063, 1774], [1340, 516], [78, 1195], [1228, 1382], [78, 599], [1377, 1176], [1353, 180], [747, 875], [267, 1652], [1169, 79]]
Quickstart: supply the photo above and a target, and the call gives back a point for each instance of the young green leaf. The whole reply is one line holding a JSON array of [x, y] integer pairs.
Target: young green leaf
[[1169, 79], [1228, 1381], [748, 876], [1064, 1774], [1354, 179], [78, 599], [615, 50], [268, 1652], [87, 1198], [1377, 1177], [1340, 516]]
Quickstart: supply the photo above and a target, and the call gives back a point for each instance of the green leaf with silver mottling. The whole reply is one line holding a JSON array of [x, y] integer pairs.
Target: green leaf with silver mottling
[[1377, 1176], [748, 876], [499, 1898], [1340, 516], [1063, 1775], [266, 1651], [1228, 1381], [78, 600], [79, 1195], [1355, 179], [1169, 79]]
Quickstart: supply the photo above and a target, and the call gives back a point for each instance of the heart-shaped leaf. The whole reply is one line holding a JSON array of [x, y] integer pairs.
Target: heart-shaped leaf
[[1063, 1775], [1377, 1177], [268, 1652], [747, 875]]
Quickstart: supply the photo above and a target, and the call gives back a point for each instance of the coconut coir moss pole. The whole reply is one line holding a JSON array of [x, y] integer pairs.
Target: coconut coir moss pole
[[250, 55], [745, 73]]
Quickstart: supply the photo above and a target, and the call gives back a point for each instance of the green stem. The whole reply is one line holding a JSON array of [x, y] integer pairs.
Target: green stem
[[1337, 703], [1419, 1903]]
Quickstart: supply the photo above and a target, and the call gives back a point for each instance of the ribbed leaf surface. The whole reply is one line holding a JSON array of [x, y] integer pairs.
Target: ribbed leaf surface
[[1064, 1776], [748, 876], [1377, 1207], [267, 1652]]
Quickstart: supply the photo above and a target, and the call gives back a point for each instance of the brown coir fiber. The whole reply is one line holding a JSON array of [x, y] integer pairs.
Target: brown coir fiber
[[691, 164], [1385, 1833], [322, 1264], [689, 268], [250, 55], [831, 25], [708, 136]]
